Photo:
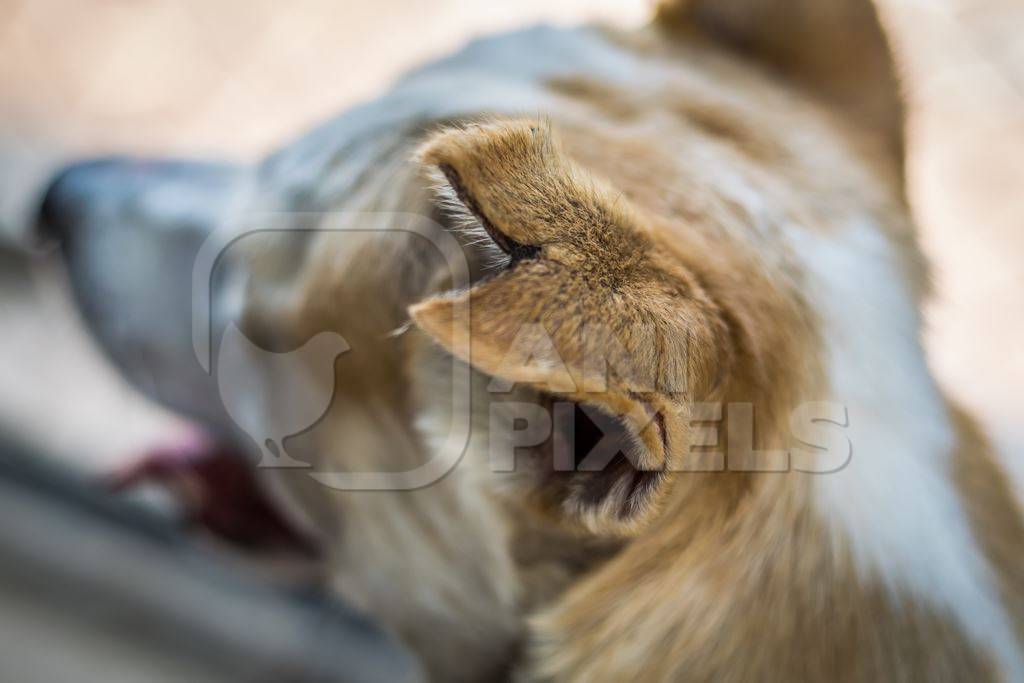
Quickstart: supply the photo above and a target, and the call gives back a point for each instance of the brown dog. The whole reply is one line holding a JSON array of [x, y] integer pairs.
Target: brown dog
[[704, 280]]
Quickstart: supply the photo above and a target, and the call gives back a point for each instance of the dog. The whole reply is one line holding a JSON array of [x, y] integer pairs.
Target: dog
[[690, 272]]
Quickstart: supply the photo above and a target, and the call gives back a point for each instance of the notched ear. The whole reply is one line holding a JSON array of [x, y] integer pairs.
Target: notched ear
[[592, 358], [602, 465], [836, 48], [583, 314]]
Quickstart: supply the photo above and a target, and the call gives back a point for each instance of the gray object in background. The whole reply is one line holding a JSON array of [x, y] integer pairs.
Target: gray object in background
[[93, 588]]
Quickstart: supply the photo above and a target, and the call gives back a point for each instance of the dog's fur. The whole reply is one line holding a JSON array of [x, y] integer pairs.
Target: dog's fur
[[718, 199]]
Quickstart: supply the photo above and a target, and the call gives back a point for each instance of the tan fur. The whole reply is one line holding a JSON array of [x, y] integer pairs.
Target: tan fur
[[801, 611], [836, 49], [653, 211], [744, 594], [994, 512]]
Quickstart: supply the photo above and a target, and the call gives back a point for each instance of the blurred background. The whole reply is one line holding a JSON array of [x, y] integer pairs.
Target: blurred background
[[238, 78]]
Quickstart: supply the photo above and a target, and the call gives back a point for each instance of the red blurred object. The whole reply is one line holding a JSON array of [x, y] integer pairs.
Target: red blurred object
[[218, 491]]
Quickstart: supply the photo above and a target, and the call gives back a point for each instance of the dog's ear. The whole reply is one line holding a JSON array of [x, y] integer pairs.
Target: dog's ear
[[839, 49], [583, 310]]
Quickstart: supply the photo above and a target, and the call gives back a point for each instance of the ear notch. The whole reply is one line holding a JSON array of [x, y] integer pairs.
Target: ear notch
[[617, 362], [837, 48], [604, 465]]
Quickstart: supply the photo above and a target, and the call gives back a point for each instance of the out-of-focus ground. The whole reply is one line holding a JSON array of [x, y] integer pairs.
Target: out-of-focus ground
[[236, 78]]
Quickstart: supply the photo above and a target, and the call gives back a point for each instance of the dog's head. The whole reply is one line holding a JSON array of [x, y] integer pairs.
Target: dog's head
[[649, 240], [647, 251]]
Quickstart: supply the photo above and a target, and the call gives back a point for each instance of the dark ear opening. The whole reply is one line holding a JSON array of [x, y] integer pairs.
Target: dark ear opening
[[839, 49], [620, 471]]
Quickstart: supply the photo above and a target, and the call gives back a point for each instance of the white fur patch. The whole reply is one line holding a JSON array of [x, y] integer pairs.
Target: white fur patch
[[465, 225], [895, 503]]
